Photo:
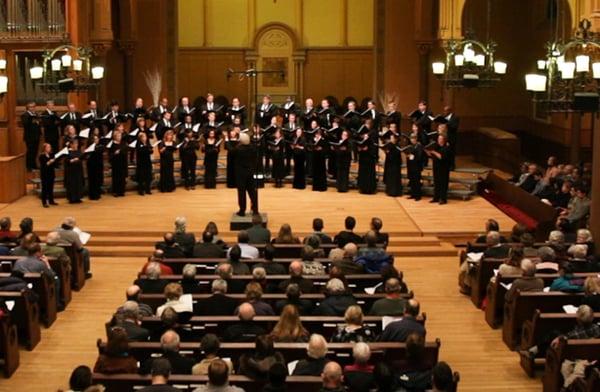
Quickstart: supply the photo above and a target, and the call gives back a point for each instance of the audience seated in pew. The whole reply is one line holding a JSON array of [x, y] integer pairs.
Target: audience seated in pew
[[225, 272], [579, 261], [6, 235], [585, 329], [584, 237], [393, 304], [358, 377], [14, 282], [129, 320], [24, 243], [289, 327], [210, 345], [333, 378], [169, 343], [592, 293], [245, 330], [566, 282], [158, 256], [170, 321], [50, 249], [116, 359], [247, 251], [259, 275], [354, 330], [218, 304], [371, 257], [490, 225], [296, 271], [293, 294], [170, 247], [234, 255], [132, 294], [398, 331], [442, 379], [347, 235], [495, 248], [26, 227], [160, 371], [256, 365], [315, 243], [186, 240], [337, 299], [315, 359], [318, 225], [67, 233], [207, 249], [80, 379], [189, 284], [285, 236], [556, 241], [152, 284], [253, 297], [414, 371], [344, 259], [257, 233], [218, 375], [309, 265], [271, 267], [527, 281], [174, 296], [276, 378]]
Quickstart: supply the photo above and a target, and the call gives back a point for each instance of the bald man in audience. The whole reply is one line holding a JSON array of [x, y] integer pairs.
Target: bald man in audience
[[225, 271], [68, 234], [158, 256], [333, 378], [398, 331], [170, 247], [393, 304], [347, 264], [296, 267], [245, 330], [527, 281], [132, 294], [169, 342]]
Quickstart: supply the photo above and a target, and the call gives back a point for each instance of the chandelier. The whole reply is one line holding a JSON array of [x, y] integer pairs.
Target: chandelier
[[66, 68], [568, 79], [469, 62]]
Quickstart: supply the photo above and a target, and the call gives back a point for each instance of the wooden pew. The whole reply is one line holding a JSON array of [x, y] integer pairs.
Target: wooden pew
[[482, 272], [186, 383], [496, 293], [208, 266], [567, 349], [523, 307], [25, 315], [339, 352], [324, 325], [9, 346], [77, 269], [44, 286], [364, 300], [65, 276], [355, 282]]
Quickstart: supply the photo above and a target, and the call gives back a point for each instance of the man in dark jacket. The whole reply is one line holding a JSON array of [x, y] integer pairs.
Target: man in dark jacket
[[218, 304], [258, 234], [337, 299], [296, 267], [208, 249], [348, 235], [130, 322], [398, 331], [171, 249], [169, 342], [246, 330]]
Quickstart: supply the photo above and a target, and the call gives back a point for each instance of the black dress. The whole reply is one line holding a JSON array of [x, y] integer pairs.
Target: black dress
[[143, 168], [319, 169], [47, 176], [95, 172], [277, 154], [441, 172], [74, 180], [230, 147], [415, 161], [187, 153], [392, 175], [118, 163], [299, 155], [167, 179], [367, 161], [343, 156], [211, 154]]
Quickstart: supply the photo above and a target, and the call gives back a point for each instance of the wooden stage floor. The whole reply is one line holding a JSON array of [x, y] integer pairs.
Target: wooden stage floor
[[468, 344]]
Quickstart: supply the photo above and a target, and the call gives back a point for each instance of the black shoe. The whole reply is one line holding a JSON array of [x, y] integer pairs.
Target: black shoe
[[240, 213], [44, 205], [417, 198], [434, 201], [443, 202], [88, 275], [53, 203], [411, 197], [141, 193], [148, 192]]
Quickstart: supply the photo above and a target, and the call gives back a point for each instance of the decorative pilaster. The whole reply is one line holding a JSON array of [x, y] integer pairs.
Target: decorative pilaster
[[424, 51]]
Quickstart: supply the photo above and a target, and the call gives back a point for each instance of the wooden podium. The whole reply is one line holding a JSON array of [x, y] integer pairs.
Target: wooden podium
[[13, 178]]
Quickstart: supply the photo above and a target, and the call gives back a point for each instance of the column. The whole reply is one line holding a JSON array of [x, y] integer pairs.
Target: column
[[101, 38], [424, 50], [128, 49]]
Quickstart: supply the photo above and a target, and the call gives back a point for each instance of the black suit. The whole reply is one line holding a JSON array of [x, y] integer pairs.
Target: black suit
[[441, 172], [71, 118], [497, 252], [244, 331], [263, 116], [453, 123], [50, 124], [135, 333], [179, 363], [47, 176], [344, 237], [208, 251], [31, 137], [245, 166], [216, 305], [151, 286]]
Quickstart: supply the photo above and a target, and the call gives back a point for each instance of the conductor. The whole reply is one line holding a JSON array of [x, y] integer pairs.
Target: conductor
[[245, 166]]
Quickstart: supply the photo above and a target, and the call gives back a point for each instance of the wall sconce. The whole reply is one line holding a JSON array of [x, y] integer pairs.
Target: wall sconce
[[3, 84], [2, 64]]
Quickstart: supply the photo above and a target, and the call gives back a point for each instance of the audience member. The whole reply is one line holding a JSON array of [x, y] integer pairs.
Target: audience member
[[115, 358], [348, 264], [158, 256], [270, 266], [258, 233], [591, 288], [354, 330], [209, 345], [225, 272], [371, 257], [289, 327], [315, 359], [580, 262], [317, 226], [170, 247], [246, 251], [566, 282], [442, 379], [160, 371], [309, 265], [347, 235], [276, 378], [495, 249], [174, 296], [24, 244], [207, 249], [253, 297], [218, 379], [333, 378], [218, 304], [490, 225], [285, 236], [132, 294], [185, 239], [527, 281], [81, 379], [376, 226], [152, 284], [414, 371], [169, 343], [6, 235], [68, 232], [393, 304], [398, 331], [296, 269], [293, 293], [384, 378], [359, 376], [213, 229], [189, 283], [337, 299], [170, 321], [246, 330], [234, 257], [130, 322], [578, 208], [256, 365], [26, 227]]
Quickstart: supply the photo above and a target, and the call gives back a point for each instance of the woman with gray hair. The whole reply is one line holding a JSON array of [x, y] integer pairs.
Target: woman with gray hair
[[584, 237], [315, 359], [359, 376], [185, 240]]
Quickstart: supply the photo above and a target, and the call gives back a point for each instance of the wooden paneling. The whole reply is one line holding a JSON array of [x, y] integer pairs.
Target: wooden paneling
[[12, 178], [338, 72], [201, 71]]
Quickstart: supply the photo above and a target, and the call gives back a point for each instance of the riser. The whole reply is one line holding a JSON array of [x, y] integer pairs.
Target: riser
[[230, 240]]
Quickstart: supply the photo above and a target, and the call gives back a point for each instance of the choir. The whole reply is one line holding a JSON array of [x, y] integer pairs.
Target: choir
[[316, 142]]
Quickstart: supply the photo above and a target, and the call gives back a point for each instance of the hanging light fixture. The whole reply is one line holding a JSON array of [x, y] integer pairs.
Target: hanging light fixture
[[67, 68], [572, 68], [469, 62]]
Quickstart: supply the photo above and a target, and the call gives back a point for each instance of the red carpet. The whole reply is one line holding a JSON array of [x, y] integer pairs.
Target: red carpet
[[510, 210]]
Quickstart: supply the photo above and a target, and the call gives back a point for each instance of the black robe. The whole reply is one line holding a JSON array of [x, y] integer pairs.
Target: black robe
[[230, 147], [47, 176], [367, 161], [343, 156], [167, 179], [441, 172], [74, 180], [392, 175], [118, 164], [95, 172], [415, 161], [319, 169], [299, 161], [277, 154], [143, 168], [211, 155]]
